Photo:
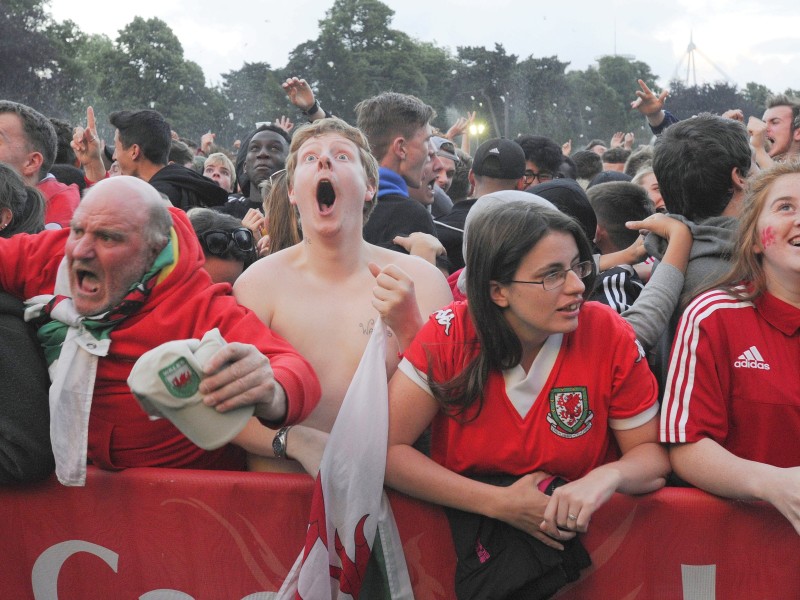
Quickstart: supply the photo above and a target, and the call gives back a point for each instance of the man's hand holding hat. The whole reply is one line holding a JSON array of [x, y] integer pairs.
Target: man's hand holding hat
[[239, 375], [207, 388]]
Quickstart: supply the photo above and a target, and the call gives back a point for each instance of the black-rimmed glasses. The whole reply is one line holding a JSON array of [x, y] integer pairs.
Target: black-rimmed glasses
[[529, 177]]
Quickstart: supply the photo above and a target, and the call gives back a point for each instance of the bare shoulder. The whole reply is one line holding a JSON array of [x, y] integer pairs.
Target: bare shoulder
[[256, 289], [430, 284]]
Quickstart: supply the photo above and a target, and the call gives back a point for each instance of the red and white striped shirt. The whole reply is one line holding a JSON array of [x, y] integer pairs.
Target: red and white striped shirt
[[734, 377]]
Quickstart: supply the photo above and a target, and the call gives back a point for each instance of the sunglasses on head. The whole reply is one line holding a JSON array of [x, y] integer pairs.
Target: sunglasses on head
[[218, 242]]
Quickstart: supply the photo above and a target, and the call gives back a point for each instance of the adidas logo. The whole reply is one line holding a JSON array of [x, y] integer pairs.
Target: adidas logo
[[494, 151], [751, 359]]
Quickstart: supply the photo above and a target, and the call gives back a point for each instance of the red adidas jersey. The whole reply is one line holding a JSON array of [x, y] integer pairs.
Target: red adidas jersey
[[595, 380], [734, 377]]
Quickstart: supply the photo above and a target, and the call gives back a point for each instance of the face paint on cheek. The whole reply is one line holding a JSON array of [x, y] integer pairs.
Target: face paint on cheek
[[767, 237]]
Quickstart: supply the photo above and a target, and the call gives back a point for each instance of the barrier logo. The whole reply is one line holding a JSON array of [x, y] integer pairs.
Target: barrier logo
[[180, 379], [569, 415]]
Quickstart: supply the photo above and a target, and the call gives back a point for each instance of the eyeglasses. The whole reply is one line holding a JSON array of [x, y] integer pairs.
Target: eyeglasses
[[557, 279], [218, 242], [273, 178], [529, 177]]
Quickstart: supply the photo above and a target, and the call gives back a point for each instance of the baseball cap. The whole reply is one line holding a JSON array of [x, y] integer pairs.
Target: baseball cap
[[499, 158], [445, 148], [166, 381]]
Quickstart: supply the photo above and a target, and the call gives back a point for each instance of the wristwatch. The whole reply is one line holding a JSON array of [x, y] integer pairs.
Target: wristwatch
[[279, 442], [311, 110]]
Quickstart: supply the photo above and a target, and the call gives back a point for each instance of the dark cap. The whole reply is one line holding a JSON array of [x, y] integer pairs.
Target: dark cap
[[606, 176], [499, 158]]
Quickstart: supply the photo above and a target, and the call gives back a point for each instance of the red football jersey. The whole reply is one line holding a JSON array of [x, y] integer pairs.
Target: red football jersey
[[734, 377], [578, 388]]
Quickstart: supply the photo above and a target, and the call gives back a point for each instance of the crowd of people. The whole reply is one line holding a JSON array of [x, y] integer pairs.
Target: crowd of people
[[563, 325]]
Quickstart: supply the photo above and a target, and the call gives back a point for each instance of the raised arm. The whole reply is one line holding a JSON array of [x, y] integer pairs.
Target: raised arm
[[757, 130], [650, 105], [302, 96], [652, 310], [461, 128], [87, 147]]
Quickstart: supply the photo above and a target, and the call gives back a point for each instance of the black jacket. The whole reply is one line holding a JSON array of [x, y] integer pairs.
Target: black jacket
[[25, 452], [186, 188]]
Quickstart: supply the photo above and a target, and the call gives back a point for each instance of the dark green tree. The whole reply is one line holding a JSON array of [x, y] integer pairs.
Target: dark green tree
[[148, 70], [484, 82], [594, 106], [25, 52], [357, 55], [621, 75], [253, 94], [539, 98], [685, 101], [756, 94]]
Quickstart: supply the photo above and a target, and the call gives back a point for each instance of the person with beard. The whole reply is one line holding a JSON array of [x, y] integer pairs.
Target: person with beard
[[142, 143], [125, 278]]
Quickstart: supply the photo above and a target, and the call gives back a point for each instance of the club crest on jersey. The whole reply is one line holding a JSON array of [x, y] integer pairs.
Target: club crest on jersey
[[569, 415]]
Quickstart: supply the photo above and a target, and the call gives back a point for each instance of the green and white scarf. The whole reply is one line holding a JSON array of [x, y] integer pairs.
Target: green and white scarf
[[72, 344]]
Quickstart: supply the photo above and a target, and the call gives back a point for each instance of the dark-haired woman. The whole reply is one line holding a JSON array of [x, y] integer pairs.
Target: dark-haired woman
[[525, 379], [21, 206]]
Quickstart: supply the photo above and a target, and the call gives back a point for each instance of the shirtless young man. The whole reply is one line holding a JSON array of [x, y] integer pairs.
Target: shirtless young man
[[324, 294]]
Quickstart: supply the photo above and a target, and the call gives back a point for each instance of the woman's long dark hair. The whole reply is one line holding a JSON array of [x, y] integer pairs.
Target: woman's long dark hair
[[26, 203], [497, 242]]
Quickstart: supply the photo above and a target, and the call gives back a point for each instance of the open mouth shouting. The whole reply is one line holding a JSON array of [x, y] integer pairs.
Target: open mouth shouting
[[88, 282], [326, 196]]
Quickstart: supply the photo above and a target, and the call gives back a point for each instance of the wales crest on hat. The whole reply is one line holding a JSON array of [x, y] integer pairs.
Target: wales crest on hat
[[180, 379]]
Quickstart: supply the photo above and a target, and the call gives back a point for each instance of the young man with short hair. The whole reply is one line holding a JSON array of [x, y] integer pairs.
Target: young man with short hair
[[142, 141], [325, 293], [398, 127], [28, 144]]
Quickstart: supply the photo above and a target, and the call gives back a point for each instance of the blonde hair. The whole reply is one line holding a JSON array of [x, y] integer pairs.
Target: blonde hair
[[748, 256], [283, 226], [222, 160], [347, 131], [338, 127]]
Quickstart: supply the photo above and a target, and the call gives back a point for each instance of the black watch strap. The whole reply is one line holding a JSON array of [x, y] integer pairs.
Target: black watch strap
[[313, 109]]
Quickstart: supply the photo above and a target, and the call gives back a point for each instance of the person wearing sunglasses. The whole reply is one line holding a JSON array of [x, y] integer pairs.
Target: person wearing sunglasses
[[525, 381], [228, 246]]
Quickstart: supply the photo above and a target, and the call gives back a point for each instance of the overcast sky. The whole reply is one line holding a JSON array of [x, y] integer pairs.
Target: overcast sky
[[742, 41]]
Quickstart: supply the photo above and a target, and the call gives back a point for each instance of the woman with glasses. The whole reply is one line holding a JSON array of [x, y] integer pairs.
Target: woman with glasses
[[228, 246], [526, 380]]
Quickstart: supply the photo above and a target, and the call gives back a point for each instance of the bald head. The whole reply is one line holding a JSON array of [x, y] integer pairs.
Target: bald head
[[117, 231], [124, 193]]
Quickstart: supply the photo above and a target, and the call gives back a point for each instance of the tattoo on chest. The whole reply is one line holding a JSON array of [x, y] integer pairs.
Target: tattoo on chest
[[366, 328]]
